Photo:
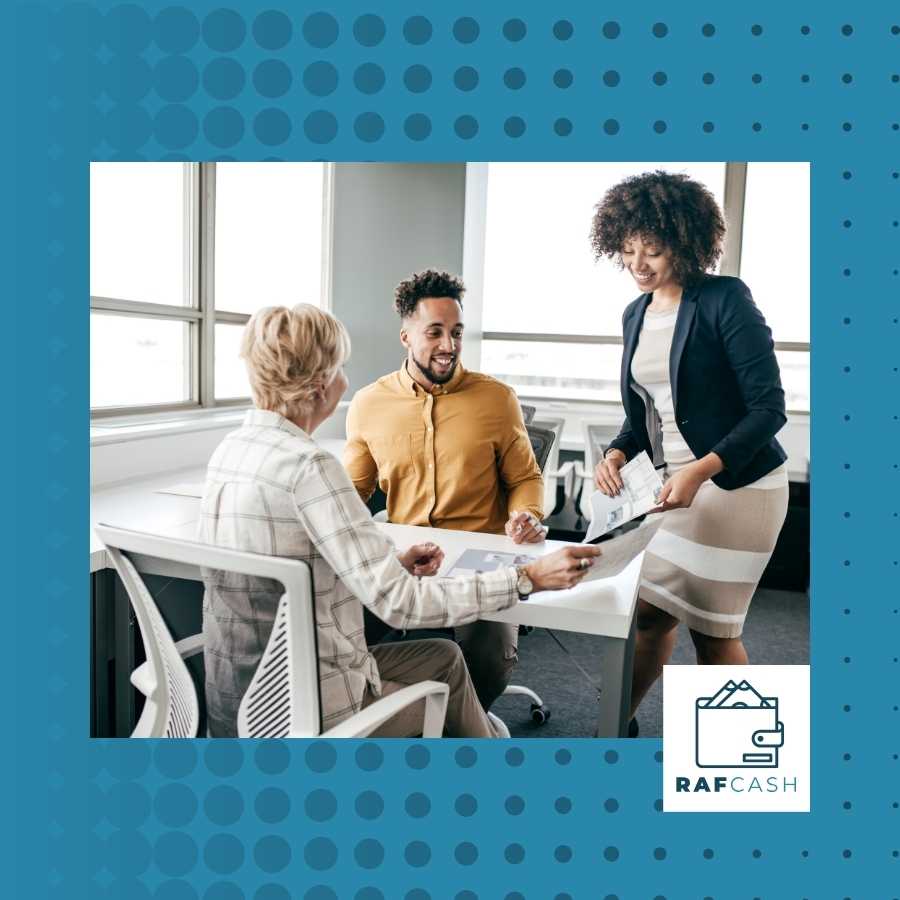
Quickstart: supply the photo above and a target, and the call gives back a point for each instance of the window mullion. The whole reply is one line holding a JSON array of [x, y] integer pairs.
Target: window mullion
[[735, 191], [142, 308], [206, 238]]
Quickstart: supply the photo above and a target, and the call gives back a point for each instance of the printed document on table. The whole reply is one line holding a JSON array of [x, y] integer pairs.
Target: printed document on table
[[642, 485], [473, 561]]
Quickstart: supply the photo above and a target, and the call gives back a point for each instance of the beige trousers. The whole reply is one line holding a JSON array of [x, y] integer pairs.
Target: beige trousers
[[409, 662]]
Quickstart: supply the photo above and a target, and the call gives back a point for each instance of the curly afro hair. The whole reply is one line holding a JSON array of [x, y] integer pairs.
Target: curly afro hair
[[426, 284], [665, 207]]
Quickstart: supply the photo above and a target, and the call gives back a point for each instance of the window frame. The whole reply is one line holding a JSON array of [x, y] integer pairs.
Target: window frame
[[733, 210], [199, 310]]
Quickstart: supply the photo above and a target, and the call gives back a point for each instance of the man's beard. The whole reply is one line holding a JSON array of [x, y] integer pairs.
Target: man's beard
[[435, 377]]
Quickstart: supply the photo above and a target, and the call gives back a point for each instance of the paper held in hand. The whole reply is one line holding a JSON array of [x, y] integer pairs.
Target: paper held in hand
[[639, 495], [616, 554]]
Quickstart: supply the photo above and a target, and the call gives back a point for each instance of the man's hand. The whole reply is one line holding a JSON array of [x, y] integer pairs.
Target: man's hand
[[524, 528], [422, 559], [562, 569]]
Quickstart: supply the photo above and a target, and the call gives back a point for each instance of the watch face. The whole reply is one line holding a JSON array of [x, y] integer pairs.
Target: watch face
[[523, 584]]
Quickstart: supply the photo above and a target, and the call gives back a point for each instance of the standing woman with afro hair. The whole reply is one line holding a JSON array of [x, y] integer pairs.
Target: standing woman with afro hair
[[703, 397]]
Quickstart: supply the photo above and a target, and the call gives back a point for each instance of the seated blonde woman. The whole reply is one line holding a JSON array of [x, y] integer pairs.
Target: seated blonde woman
[[271, 489]]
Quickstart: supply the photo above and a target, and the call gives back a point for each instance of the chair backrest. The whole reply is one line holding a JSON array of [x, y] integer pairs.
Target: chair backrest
[[551, 464], [272, 706], [597, 436], [294, 621], [170, 708], [528, 412], [541, 443]]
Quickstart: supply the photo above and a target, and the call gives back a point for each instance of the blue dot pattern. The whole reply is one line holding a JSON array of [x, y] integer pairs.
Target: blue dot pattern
[[226, 820]]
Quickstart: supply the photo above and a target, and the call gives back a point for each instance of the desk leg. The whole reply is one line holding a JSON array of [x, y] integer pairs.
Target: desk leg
[[102, 653], [125, 717], [616, 666]]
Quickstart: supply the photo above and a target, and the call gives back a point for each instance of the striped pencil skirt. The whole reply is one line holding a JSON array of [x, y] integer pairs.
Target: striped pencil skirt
[[704, 563]]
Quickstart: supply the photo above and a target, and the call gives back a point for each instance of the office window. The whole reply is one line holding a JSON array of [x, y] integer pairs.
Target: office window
[[231, 379], [181, 256], [268, 235], [541, 280], [139, 232], [139, 361], [775, 246], [775, 265], [552, 316]]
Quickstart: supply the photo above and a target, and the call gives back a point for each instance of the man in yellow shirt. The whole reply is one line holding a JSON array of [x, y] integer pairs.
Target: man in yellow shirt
[[449, 449]]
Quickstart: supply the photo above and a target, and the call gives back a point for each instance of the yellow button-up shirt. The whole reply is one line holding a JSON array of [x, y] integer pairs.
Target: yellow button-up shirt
[[456, 457]]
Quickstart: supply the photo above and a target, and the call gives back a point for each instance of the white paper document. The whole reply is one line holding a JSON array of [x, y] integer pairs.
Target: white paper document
[[615, 555], [619, 551], [639, 495]]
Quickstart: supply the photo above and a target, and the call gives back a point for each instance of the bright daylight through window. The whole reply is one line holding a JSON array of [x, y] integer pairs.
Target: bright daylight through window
[[543, 290], [182, 254]]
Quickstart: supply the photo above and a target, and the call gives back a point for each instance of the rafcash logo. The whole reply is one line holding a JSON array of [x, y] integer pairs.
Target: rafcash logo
[[727, 746]]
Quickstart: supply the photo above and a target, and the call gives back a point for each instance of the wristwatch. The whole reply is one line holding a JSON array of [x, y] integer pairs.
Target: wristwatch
[[524, 584]]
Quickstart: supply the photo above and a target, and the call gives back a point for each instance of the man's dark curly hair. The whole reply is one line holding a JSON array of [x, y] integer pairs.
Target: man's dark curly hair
[[667, 208], [426, 284]]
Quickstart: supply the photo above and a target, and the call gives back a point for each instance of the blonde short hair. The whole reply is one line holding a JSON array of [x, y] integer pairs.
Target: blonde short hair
[[290, 353]]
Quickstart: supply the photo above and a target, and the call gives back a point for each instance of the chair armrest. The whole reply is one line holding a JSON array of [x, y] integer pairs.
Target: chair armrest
[[362, 724], [142, 678], [190, 646], [582, 474], [566, 473]]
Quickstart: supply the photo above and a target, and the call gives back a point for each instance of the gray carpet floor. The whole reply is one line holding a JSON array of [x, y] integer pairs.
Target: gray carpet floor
[[776, 633]]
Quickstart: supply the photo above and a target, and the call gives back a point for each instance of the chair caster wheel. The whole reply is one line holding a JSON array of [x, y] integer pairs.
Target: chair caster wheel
[[539, 714]]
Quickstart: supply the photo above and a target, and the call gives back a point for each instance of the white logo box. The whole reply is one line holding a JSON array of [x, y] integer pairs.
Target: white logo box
[[736, 739]]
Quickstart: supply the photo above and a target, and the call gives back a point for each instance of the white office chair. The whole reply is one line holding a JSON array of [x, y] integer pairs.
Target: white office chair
[[597, 436], [170, 708], [283, 697], [552, 471]]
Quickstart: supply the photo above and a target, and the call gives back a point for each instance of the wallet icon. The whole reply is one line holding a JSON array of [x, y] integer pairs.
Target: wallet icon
[[738, 728]]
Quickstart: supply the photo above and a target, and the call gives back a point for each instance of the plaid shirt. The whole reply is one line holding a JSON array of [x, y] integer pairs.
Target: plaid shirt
[[271, 489]]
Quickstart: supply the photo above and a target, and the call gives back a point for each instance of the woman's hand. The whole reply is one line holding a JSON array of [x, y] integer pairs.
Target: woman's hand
[[606, 475], [562, 569], [422, 559], [679, 491]]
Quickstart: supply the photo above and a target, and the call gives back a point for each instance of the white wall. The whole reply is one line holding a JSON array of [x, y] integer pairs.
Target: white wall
[[390, 220]]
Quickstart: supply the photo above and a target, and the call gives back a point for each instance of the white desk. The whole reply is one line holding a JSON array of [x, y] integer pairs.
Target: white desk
[[604, 608]]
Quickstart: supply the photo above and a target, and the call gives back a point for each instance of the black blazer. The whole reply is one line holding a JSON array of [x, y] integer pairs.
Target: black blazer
[[726, 388]]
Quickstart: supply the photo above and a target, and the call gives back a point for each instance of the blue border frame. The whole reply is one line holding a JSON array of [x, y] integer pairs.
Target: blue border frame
[[111, 81]]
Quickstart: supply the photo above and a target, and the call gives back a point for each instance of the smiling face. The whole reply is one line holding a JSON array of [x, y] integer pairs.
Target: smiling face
[[432, 335], [650, 264]]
